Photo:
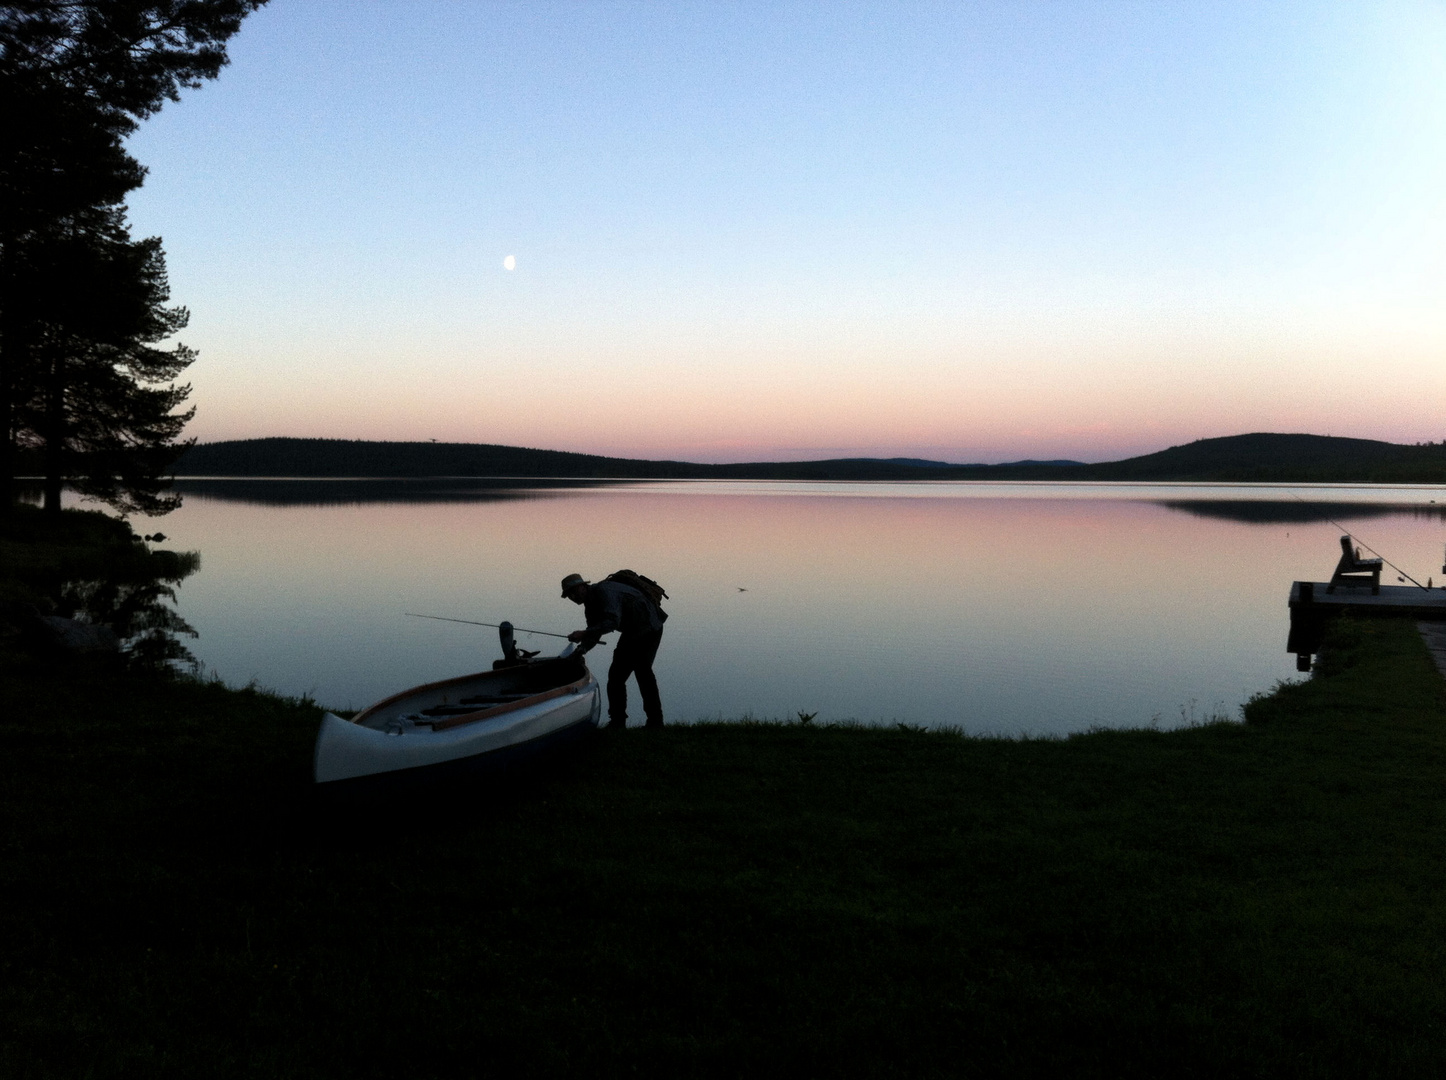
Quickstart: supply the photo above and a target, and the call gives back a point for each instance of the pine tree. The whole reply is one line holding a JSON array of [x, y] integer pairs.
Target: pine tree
[[61, 160], [82, 306], [102, 394]]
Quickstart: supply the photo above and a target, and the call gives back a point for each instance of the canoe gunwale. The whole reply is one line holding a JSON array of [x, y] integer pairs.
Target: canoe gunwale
[[511, 706]]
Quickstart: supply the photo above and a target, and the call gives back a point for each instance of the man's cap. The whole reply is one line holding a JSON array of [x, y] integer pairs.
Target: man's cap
[[572, 580]]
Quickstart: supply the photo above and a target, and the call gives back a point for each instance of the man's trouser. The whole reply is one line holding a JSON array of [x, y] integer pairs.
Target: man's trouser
[[633, 655]]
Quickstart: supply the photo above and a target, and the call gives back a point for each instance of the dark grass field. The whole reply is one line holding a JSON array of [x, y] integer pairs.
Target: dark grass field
[[1265, 899]]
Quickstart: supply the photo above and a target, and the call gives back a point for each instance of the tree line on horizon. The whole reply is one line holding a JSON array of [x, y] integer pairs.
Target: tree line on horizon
[[1260, 457], [88, 386]]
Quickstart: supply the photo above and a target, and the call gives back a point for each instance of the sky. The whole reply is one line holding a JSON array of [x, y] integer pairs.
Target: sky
[[779, 231]]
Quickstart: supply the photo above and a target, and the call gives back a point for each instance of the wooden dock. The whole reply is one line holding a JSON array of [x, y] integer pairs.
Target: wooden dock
[[1312, 604]]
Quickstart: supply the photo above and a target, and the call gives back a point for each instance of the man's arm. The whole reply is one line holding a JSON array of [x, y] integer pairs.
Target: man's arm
[[604, 615]]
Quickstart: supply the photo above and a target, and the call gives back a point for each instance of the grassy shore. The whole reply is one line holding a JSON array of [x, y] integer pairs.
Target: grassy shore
[[1257, 899]]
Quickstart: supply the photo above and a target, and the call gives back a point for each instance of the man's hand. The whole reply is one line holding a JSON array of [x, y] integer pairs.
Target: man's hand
[[577, 635]]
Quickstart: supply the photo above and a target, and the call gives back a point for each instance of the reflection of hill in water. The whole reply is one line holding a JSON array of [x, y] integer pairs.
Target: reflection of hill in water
[[1299, 513], [314, 492]]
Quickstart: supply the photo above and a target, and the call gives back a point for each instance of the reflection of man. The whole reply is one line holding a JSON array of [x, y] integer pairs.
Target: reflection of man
[[609, 606]]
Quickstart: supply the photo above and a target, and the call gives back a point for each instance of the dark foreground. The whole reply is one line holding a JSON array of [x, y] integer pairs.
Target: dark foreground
[[1266, 899]]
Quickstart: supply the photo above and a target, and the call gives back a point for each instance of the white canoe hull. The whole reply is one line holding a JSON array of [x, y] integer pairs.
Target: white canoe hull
[[388, 737]]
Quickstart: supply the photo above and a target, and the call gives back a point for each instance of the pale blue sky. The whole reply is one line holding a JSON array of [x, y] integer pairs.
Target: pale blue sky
[[741, 231]]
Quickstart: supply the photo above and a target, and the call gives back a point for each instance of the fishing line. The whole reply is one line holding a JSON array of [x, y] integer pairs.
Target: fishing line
[[1365, 545], [495, 626]]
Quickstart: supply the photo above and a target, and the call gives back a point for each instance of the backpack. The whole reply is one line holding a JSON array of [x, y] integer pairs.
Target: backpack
[[655, 593]]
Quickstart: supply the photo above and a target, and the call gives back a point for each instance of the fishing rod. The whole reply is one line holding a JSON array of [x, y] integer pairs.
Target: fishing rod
[[495, 626], [1365, 545]]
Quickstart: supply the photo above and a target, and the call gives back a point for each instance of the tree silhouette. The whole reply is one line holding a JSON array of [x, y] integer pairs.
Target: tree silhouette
[[101, 397], [127, 56], [82, 306]]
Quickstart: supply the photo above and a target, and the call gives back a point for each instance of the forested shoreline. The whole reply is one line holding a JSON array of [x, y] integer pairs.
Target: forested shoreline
[[1260, 457]]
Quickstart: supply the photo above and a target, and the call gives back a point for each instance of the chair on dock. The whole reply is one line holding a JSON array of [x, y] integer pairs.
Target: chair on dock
[[1354, 570]]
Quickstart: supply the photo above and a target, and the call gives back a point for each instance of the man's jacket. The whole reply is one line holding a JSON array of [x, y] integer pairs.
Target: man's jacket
[[611, 605]]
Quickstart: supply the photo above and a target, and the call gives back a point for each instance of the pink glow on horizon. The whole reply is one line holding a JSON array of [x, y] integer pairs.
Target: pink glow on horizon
[[669, 429], [1088, 394]]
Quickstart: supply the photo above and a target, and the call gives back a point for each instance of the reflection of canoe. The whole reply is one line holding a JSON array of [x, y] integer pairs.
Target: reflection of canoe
[[484, 717]]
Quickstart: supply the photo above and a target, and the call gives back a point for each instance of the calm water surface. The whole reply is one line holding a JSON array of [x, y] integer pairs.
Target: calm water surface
[[999, 608]]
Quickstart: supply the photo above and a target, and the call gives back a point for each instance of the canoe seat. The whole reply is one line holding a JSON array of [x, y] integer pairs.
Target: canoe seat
[[1354, 570]]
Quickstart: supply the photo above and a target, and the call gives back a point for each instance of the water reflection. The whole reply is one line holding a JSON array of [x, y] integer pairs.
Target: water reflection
[[306, 491], [1260, 512], [87, 584], [999, 608]]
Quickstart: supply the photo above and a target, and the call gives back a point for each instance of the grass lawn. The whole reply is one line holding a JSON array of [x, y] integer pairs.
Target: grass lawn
[[1259, 899]]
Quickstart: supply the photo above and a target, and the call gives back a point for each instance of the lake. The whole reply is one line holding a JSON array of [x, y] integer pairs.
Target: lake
[[1037, 609]]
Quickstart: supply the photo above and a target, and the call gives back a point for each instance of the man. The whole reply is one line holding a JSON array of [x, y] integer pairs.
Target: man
[[609, 606]]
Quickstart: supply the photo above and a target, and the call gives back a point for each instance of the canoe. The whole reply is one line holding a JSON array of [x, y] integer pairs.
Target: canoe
[[488, 717]]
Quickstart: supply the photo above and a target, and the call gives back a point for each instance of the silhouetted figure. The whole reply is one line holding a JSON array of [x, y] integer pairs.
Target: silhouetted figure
[[609, 606]]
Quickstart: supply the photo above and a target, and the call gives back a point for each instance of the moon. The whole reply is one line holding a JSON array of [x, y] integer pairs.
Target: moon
[[510, 263]]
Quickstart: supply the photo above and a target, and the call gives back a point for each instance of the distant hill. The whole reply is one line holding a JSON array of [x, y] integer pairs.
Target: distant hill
[[1264, 457], [1259, 457], [341, 458]]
